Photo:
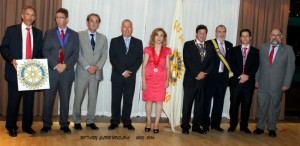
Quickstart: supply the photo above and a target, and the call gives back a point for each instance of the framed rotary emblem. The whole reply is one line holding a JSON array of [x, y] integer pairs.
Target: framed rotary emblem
[[32, 74]]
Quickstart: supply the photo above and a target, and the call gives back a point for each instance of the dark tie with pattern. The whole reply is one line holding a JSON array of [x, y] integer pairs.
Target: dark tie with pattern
[[93, 41]]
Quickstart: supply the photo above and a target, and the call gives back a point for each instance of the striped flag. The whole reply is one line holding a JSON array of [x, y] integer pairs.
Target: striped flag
[[173, 101]]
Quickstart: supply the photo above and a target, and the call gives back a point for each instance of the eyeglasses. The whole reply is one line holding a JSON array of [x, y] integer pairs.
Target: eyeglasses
[[60, 17]]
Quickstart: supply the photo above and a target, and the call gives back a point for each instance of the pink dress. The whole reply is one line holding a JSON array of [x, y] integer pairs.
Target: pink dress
[[155, 81]]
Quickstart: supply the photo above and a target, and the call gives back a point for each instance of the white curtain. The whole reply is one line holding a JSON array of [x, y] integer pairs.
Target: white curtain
[[147, 15]]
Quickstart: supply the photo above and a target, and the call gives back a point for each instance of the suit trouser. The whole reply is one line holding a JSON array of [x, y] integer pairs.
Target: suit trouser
[[64, 90], [126, 90], [14, 98], [216, 91], [240, 95], [268, 108], [192, 94], [81, 86]]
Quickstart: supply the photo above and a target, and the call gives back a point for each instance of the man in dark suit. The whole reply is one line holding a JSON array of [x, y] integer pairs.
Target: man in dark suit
[[22, 41], [126, 56], [217, 80], [274, 76], [197, 57], [61, 48], [244, 61]]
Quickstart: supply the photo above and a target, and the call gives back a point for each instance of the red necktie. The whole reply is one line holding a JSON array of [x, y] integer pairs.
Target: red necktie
[[28, 44], [62, 35], [244, 59], [271, 55]]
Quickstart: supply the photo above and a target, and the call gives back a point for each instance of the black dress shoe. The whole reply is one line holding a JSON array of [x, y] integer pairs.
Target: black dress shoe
[[231, 129], [218, 129], [66, 129], [205, 129], [45, 129], [147, 129], [155, 130], [272, 133], [92, 126], [29, 131], [12, 133], [199, 130], [78, 126], [185, 131], [258, 131], [112, 127], [129, 127], [246, 130]]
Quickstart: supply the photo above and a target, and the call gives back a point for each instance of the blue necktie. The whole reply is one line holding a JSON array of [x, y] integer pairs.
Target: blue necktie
[[93, 41], [127, 44]]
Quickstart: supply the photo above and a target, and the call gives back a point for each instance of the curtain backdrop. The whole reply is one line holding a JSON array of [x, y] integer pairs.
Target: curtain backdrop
[[11, 11], [147, 15]]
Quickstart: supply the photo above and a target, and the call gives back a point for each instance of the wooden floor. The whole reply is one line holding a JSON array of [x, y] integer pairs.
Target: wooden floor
[[287, 134]]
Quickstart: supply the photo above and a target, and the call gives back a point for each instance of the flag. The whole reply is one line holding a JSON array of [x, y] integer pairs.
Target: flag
[[173, 101]]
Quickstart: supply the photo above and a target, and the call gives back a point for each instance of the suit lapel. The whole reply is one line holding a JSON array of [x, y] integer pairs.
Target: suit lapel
[[34, 50], [19, 37], [280, 50], [98, 42]]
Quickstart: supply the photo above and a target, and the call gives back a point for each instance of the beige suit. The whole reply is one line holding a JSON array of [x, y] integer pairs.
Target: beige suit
[[84, 80], [271, 78]]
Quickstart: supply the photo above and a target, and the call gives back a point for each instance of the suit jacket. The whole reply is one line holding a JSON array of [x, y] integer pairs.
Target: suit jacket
[[11, 48], [215, 70], [89, 57], [193, 64], [251, 66], [51, 47], [280, 73], [121, 61]]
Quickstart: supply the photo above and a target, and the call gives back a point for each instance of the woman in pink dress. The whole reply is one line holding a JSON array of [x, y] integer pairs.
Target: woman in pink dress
[[155, 73]]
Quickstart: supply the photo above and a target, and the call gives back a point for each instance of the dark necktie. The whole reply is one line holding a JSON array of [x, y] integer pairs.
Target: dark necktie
[[93, 41]]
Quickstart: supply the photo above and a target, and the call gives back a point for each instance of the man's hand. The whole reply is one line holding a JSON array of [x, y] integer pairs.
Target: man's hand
[[92, 69], [243, 78], [127, 74], [201, 76], [256, 84], [284, 88], [14, 63], [61, 68]]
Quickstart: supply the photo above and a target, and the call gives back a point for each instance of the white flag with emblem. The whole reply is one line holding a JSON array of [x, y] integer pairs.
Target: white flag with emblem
[[173, 103]]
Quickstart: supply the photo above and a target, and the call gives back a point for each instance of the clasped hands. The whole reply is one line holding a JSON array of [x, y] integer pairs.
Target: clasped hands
[[61, 67], [243, 78], [201, 75], [92, 69]]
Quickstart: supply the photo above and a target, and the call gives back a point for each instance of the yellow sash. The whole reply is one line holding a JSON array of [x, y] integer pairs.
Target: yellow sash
[[222, 58]]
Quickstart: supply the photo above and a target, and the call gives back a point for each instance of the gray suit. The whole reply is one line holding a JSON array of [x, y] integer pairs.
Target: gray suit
[[271, 78], [84, 80], [61, 82]]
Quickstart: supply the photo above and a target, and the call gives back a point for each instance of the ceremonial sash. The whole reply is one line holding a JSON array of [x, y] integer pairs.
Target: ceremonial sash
[[222, 58]]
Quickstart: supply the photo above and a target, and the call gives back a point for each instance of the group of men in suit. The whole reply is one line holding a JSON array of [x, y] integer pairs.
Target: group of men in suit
[[63, 48], [214, 64], [210, 66]]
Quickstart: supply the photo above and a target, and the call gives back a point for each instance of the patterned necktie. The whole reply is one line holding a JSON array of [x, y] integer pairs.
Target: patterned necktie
[[271, 55], [202, 51], [28, 45], [93, 41]]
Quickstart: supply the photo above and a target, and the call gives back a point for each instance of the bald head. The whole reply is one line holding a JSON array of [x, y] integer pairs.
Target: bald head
[[276, 36]]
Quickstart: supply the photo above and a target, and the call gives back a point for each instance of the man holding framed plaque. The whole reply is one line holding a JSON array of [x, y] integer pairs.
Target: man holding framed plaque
[[22, 41], [61, 48]]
